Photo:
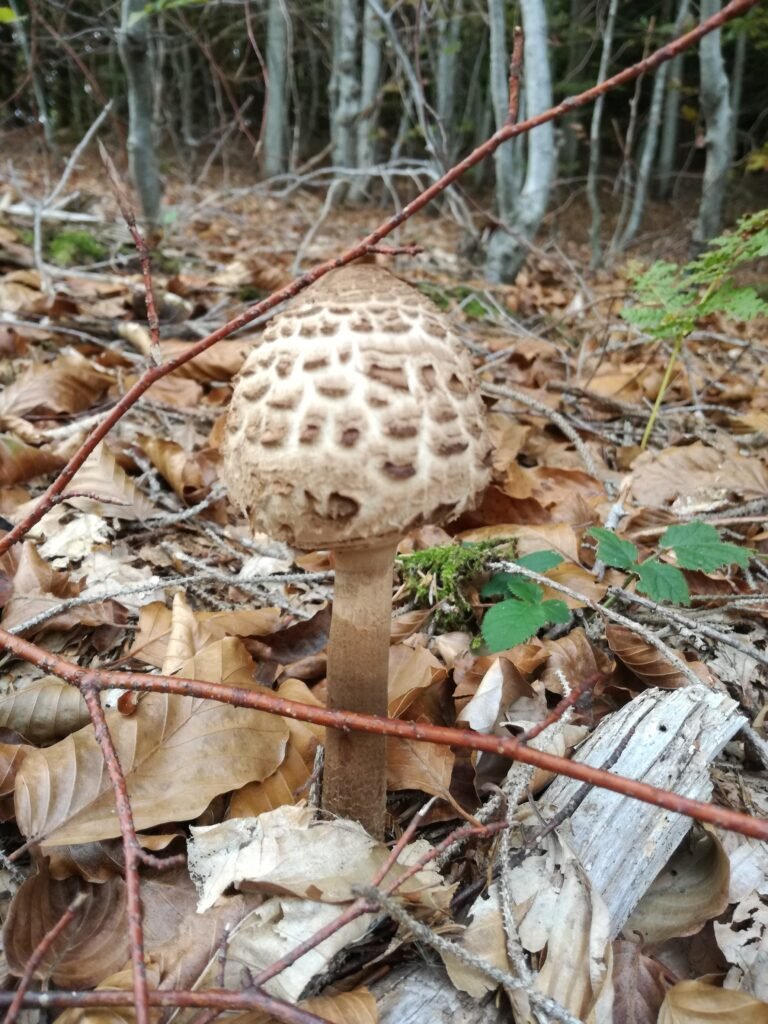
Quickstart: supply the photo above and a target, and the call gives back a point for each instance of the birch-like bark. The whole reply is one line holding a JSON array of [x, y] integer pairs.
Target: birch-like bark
[[507, 250], [448, 42], [369, 91], [344, 85], [670, 125], [136, 55], [594, 139], [718, 119], [276, 113], [651, 139]]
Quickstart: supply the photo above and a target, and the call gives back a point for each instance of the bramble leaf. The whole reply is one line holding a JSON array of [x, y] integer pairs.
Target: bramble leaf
[[698, 545], [662, 582], [613, 550]]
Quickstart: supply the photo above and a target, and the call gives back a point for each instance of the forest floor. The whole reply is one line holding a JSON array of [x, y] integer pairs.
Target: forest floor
[[623, 912]]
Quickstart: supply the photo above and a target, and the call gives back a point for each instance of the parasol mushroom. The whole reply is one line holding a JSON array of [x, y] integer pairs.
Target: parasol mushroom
[[355, 419]]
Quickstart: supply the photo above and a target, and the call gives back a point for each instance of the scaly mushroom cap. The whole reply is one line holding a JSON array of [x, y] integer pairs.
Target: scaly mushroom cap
[[356, 417]]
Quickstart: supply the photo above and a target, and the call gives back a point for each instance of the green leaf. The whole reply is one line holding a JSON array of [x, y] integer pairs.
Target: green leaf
[[662, 582], [697, 545], [7, 15], [513, 622], [540, 561], [613, 550]]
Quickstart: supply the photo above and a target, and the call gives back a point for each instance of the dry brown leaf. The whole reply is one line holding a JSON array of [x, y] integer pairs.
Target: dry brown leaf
[[638, 984], [700, 473], [576, 657], [177, 754], [69, 384], [289, 781], [645, 661], [691, 890], [695, 1002], [559, 537], [484, 937], [156, 621], [411, 671], [20, 462], [423, 766], [36, 588], [116, 493], [42, 710], [95, 943], [187, 475]]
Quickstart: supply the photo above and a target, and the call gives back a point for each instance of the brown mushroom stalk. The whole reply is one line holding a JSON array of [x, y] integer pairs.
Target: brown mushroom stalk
[[354, 776], [356, 419]]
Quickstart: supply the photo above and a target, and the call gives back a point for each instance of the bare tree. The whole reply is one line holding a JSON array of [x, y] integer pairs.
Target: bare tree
[[508, 247], [136, 56], [276, 111], [718, 120]]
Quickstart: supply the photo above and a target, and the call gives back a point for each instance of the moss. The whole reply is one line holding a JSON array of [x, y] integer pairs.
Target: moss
[[67, 248], [437, 578]]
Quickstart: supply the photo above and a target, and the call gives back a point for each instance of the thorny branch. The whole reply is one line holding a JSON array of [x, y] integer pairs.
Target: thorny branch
[[91, 681]]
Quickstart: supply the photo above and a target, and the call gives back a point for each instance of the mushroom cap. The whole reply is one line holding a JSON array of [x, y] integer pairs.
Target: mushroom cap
[[357, 416]]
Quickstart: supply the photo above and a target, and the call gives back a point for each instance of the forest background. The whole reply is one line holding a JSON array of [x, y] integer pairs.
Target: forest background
[[255, 142]]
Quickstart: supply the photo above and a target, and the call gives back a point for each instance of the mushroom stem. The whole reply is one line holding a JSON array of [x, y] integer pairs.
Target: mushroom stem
[[355, 769]]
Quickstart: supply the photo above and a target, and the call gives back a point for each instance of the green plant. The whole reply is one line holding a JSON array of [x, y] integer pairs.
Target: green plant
[[436, 577], [69, 247], [523, 610], [696, 545], [670, 299]]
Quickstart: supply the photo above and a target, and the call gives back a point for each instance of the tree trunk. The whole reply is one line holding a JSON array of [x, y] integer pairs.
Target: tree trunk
[[276, 113], [651, 139], [594, 139], [448, 43], [344, 86], [579, 48], [670, 124], [136, 56], [33, 68], [369, 91], [718, 119], [507, 249]]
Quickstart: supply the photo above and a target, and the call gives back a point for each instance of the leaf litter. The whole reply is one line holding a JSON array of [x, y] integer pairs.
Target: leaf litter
[[614, 909]]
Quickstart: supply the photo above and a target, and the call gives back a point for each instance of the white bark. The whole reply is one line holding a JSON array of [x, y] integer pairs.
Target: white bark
[[716, 109], [507, 250], [448, 41], [506, 158], [369, 91], [136, 56], [276, 113], [651, 139], [669, 131], [594, 138], [344, 86]]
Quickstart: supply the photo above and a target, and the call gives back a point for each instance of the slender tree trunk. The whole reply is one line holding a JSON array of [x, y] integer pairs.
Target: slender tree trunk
[[38, 86], [448, 42], [594, 139], [276, 114], [136, 56], [344, 86], [669, 132], [718, 119], [506, 158], [369, 91], [507, 250], [651, 140]]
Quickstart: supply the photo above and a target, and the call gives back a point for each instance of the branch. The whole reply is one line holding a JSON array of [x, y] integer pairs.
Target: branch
[[345, 720]]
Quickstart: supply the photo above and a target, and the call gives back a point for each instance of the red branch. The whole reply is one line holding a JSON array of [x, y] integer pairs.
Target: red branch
[[731, 10], [348, 720]]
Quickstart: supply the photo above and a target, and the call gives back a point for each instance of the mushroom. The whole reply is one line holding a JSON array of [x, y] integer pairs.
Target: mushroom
[[355, 419]]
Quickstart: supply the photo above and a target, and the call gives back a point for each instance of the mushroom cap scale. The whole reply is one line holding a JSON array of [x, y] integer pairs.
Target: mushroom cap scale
[[356, 417]]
